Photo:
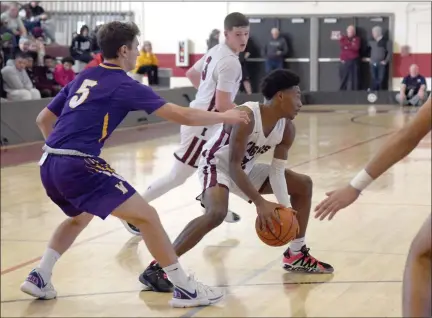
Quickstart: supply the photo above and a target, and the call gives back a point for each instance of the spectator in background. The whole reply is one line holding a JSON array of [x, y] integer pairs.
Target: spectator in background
[[35, 17], [16, 81], [349, 59], [13, 21], [44, 76], [95, 49], [3, 95], [245, 81], [213, 39], [380, 55], [8, 42], [98, 58], [413, 88], [63, 73], [81, 46], [29, 69], [147, 63], [275, 51]]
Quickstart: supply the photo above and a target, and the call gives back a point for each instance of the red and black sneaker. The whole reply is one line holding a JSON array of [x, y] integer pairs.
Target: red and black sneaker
[[303, 262], [155, 278]]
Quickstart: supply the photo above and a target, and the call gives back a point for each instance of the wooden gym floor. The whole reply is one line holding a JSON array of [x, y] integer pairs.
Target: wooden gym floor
[[367, 243]]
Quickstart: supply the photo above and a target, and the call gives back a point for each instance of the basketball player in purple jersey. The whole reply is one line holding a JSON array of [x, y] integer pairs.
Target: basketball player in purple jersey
[[83, 185], [417, 275], [229, 165]]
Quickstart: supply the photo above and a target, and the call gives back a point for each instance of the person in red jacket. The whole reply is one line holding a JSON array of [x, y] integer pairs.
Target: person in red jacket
[[63, 73], [98, 58], [349, 58]]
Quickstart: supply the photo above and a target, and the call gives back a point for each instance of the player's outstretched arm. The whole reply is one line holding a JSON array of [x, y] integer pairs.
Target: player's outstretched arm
[[277, 169], [196, 117], [396, 148], [238, 144]]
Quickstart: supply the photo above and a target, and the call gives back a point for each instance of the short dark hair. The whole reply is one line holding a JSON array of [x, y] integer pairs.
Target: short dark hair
[[68, 59], [48, 57], [278, 80], [22, 55], [235, 20], [113, 35]]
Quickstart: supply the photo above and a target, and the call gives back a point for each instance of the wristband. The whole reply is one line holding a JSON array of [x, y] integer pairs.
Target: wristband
[[361, 180]]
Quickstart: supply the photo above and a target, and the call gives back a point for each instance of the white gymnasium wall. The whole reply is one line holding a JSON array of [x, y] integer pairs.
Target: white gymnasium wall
[[167, 22]]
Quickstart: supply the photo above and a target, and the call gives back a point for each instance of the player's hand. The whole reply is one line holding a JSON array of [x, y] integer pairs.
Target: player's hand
[[235, 116], [267, 211], [335, 201]]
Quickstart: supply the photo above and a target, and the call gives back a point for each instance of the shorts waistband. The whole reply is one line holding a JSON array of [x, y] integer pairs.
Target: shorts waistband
[[64, 152]]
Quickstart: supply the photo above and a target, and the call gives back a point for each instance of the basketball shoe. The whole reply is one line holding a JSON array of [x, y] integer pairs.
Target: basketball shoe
[[304, 262], [36, 286], [154, 278]]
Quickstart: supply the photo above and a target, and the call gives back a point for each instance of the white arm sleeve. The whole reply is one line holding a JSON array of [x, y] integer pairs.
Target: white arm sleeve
[[227, 72], [198, 66], [278, 182]]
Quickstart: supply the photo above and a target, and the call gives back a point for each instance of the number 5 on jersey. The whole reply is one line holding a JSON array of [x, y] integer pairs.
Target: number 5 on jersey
[[84, 90]]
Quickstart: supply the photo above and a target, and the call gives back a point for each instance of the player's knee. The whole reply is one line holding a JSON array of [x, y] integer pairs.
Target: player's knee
[[306, 185], [81, 220], [215, 216]]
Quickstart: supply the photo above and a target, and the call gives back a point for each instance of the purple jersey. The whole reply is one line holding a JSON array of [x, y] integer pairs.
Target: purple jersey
[[92, 106]]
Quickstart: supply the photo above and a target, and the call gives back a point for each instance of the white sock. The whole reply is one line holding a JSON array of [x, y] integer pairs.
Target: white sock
[[178, 277], [49, 258], [179, 173], [297, 244]]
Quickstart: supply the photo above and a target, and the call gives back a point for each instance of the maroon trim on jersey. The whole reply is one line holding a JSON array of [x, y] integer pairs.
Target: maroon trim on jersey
[[210, 166], [188, 151], [193, 161], [212, 103]]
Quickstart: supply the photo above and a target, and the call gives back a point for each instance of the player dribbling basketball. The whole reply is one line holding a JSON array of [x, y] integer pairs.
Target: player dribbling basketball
[[228, 164], [217, 77]]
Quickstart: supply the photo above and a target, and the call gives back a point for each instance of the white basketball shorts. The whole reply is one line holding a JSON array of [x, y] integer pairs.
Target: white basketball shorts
[[213, 175]]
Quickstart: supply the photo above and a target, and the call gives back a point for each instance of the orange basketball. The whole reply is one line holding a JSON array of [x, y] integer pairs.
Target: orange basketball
[[283, 233]]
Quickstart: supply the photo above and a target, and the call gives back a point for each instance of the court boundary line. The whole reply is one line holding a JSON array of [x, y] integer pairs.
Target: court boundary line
[[358, 282]]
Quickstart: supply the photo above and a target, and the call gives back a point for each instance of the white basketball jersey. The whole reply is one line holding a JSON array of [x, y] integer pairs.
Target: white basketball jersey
[[216, 150], [205, 97]]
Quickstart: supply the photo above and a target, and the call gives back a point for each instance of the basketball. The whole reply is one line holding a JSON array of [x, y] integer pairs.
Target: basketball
[[283, 233]]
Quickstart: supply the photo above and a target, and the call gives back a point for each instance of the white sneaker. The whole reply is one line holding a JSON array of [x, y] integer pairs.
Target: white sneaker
[[231, 216], [131, 228], [35, 286], [202, 296]]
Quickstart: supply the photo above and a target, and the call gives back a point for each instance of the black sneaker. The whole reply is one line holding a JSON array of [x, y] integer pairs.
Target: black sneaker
[[154, 278]]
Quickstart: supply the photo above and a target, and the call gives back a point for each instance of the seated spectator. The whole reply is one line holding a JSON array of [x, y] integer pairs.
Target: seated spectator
[[98, 58], [95, 49], [147, 63], [2, 91], [29, 69], [8, 41], [81, 46], [13, 21], [63, 73], [36, 19], [16, 82], [413, 88], [44, 76]]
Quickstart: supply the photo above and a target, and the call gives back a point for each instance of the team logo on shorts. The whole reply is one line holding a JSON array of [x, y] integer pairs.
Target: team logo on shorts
[[97, 166]]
